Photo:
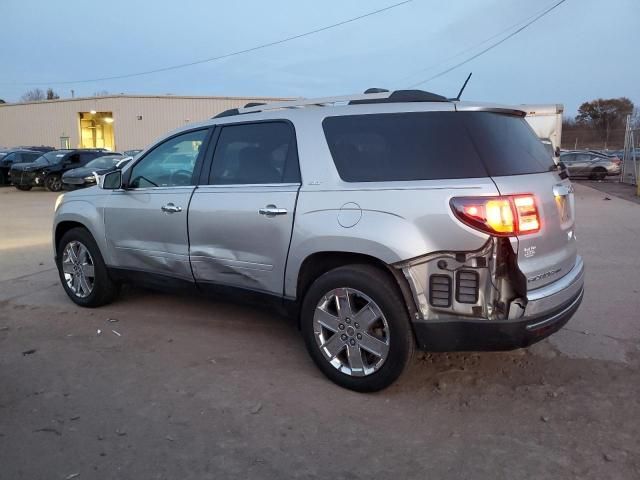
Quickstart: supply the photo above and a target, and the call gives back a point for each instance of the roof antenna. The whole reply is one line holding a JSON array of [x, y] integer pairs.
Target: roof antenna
[[463, 87]]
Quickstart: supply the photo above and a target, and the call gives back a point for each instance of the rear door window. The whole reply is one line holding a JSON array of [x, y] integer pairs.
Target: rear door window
[[256, 153]]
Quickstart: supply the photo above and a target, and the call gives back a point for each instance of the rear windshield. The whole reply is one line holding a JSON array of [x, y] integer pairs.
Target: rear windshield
[[433, 145]]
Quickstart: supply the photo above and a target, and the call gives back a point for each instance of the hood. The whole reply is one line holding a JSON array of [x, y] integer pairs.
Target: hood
[[86, 171], [27, 167]]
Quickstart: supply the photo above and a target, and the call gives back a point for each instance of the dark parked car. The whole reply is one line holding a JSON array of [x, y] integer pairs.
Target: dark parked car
[[47, 170], [590, 164], [15, 155], [41, 148], [84, 176]]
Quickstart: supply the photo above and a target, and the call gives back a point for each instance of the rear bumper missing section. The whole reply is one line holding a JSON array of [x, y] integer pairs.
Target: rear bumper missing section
[[548, 310]]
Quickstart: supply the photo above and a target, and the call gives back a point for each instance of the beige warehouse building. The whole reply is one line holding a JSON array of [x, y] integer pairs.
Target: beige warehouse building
[[116, 122]]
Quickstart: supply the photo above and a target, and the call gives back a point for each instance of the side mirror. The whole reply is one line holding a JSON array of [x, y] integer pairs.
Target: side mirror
[[111, 180]]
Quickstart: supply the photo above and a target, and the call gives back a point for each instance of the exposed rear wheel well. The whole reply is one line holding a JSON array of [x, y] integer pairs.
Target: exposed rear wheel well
[[62, 228], [319, 263]]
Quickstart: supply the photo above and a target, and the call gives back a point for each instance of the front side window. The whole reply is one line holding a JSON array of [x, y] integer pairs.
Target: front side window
[[257, 153], [170, 164]]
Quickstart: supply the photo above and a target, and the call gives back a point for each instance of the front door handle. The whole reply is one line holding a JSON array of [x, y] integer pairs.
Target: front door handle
[[272, 211], [170, 208]]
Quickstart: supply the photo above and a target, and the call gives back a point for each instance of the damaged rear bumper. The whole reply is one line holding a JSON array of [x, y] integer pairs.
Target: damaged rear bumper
[[505, 316], [485, 335]]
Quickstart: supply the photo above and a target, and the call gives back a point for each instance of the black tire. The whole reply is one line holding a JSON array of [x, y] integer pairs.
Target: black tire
[[599, 173], [24, 188], [53, 182], [380, 287], [105, 290]]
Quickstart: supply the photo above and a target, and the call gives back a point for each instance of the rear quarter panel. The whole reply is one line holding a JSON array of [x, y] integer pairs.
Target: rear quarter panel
[[391, 221]]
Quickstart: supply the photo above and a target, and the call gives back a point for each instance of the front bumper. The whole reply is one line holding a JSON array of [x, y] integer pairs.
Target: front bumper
[[548, 309], [24, 178]]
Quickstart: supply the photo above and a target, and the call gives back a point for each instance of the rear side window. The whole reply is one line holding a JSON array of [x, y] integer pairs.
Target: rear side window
[[256, 153], [507, 144], [401, 146], [432, 145]]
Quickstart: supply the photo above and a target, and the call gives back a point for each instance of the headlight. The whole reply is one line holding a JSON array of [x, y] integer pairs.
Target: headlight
[[90, 179], [58, 202]]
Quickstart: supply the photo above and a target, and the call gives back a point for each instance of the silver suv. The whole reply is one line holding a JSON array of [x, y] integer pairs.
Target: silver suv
[[383, 222]]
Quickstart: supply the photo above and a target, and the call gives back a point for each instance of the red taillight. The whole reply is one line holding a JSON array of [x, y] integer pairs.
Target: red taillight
[[502, 216]]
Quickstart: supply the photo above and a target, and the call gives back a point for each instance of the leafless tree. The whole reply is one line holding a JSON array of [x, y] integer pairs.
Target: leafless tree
[[33, 95]]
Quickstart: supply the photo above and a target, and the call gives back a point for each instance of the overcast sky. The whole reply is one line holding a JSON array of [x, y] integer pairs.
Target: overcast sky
[[582, 50]]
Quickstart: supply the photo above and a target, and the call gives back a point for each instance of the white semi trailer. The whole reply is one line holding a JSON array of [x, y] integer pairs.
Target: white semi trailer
[[546, 121]]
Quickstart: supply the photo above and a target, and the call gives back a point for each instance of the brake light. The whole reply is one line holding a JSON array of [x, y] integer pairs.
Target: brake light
[[502, 216]]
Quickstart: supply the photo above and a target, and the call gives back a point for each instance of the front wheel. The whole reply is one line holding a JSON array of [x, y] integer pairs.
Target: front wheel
[[82, 270], [356, 328], [53, 183]]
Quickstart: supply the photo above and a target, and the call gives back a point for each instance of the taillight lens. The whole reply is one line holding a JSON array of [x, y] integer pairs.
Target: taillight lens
[[502, 216]]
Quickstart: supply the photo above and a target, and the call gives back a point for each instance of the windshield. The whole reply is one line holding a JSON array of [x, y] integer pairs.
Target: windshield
[[104, 162], [50, 158]]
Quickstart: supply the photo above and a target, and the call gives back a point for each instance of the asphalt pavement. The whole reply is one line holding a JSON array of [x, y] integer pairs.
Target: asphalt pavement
[[157, 386]]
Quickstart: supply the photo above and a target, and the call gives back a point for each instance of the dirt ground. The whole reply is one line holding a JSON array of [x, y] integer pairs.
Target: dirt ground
[[182, 387]]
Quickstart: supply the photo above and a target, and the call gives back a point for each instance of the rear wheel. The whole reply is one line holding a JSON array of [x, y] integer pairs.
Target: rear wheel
[[599, 173], [82, 270], [24, 188], [53, 183], [356, 328]]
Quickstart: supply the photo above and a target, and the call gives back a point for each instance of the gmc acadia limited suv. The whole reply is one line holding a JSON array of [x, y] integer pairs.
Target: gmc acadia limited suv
[[382, 221]]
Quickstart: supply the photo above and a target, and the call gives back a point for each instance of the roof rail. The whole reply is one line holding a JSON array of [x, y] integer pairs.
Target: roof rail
[[372, 95], [404, 96], [227, 113]]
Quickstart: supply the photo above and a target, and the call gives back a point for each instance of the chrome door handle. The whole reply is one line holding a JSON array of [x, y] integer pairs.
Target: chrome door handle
[[272, 211], [170, 208]]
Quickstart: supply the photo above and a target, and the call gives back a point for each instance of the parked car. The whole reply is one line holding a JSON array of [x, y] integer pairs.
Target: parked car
[[591, 164], [47, 170], [396, 221], [14, 155], [40, 148], [85, 176], [131, 153]]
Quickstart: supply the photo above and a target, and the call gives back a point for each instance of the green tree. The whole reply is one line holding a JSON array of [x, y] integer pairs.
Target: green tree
[[605, 115]]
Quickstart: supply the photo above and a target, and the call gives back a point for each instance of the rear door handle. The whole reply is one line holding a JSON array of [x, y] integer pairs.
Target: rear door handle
[[170, 208], [272, 211]]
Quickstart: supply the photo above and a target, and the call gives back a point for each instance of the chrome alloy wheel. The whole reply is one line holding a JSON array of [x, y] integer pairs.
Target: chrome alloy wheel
[[351, 332], [78, 269]]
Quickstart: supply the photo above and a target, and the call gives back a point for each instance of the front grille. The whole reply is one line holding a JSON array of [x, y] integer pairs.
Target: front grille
[[440, 290], [467, 286], [20, 177]]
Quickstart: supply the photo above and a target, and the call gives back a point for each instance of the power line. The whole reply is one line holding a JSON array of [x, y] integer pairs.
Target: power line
[[472, 48], [219, 57], [490, 47]]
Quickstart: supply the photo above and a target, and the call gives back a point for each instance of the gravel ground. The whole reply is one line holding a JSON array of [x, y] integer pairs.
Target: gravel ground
[[185, 387]]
